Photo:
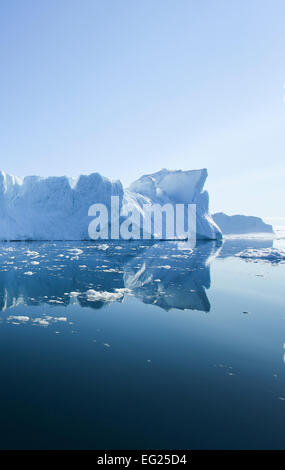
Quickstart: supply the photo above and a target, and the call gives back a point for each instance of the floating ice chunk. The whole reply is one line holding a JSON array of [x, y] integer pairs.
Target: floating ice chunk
[[102, 246], [105, 296], [75, 251], [20, 318], [41, 321], [32, 253], [273, 255], [48, 319]]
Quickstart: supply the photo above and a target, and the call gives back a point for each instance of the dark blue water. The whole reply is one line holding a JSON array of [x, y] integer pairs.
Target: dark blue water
[[140, 346]]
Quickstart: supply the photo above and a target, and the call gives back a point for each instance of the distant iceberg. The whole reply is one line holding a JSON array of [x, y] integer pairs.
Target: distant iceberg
[[56, 208], [241, 224]]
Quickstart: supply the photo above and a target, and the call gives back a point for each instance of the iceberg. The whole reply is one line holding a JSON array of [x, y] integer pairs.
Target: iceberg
[[241, 224], [178, 187], [56, 208], [53, 208]]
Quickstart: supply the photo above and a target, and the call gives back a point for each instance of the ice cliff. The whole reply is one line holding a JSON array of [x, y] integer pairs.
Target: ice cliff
[[56, 208], [238, 224], [53, 208], [179, 187]]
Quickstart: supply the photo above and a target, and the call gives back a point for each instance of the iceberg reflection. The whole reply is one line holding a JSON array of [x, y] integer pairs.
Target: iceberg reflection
[[233, 246], [93, 274], [170, 277]]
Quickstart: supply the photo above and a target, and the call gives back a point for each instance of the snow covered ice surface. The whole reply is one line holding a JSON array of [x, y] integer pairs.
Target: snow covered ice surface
[[56, 208]]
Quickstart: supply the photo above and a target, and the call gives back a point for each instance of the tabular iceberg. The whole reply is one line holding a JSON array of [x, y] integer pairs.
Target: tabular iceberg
[[53, 208], [56, 208], [238, 224]]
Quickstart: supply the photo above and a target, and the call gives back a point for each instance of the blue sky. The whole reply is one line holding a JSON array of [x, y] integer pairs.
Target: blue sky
[[126, 87]]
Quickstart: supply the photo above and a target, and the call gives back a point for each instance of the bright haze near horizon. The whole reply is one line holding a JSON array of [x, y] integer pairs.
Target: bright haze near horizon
[[129, 87]]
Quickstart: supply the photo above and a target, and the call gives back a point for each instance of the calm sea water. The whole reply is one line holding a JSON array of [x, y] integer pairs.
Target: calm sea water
[[149, 346]]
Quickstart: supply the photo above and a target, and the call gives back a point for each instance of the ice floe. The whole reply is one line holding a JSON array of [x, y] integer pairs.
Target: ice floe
[[273, 255]]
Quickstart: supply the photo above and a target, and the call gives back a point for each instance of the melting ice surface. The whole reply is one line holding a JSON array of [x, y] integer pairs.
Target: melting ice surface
[[141, 345]]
